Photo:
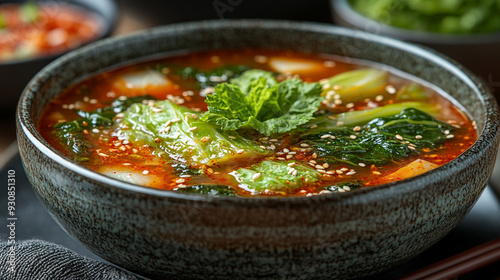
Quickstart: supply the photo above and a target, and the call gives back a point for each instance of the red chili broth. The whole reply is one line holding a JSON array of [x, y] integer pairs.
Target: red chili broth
[[99, 91]]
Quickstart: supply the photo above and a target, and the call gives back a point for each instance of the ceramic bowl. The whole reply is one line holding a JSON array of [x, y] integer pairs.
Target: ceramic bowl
[[14, 75], [478, 52], [169, 235]]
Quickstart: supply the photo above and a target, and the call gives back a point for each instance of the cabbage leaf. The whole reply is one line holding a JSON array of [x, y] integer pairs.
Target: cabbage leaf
[[178, 132]]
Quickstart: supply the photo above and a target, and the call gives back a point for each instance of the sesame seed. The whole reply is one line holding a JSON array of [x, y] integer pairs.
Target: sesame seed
[[193, 128], [273, 140], [289, 156], [260, 58], [232, 137], [309, 195], [294, 173], [180, 181], [315, 155], [324, 192], [338, 171], [324, 136], [332, 137], [326, 165], [352, 136], [292, 153], [313, 126], [337, 87], [418, 136], [376, 173], [205, 139], [450, 136], [262, 147], [399, 137], [285, 150], [304, 145], [241, 151], [390, 89], [95, 130], [102, 155], [312, 161], [186, 118], [446, 132], [263, 138], [326, 86], [135, 151], [290, 171], [411, 148], [344, 169], [93, 101], [176, 120], [194, 116], [120, 115], [256, 176], [350, 173], [272, 147], [347, 188], [362, 164], [145, 172], [291, 164], [379, 98], [349, 105], [337, 102], [357, 128], [168, 123], [340, 123], [127, 163], [329, 63], [319, 167]]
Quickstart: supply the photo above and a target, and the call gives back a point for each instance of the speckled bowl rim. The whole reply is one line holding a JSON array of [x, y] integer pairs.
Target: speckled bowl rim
[[359, 196], [342, 9]]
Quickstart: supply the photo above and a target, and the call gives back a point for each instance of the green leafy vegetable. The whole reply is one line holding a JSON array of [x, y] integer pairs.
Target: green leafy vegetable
[[3, 21], [177, 131], [29, 12], [70, 133], [450, 16], [381, 140], [327, 122], [212, 77], [266, 106], [412, 91], [275, 175], [357, 85], [211, 190]]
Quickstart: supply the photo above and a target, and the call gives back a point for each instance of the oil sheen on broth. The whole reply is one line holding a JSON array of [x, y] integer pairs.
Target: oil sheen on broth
[[256, 123]]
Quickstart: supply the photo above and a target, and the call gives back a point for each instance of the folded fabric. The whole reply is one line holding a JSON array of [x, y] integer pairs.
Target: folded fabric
[[41, 260]]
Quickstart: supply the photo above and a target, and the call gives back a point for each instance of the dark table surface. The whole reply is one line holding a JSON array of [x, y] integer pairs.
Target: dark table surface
[[481, 225]]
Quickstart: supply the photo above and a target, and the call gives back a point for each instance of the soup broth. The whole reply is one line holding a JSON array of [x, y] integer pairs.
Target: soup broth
[[256, 123]]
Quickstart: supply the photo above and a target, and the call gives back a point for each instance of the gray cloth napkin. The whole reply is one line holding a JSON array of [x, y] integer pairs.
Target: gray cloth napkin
[[41, 260]]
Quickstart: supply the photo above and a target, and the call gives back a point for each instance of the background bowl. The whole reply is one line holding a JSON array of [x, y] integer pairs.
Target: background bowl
[[14, 75], [478, 52], [164, 234]]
